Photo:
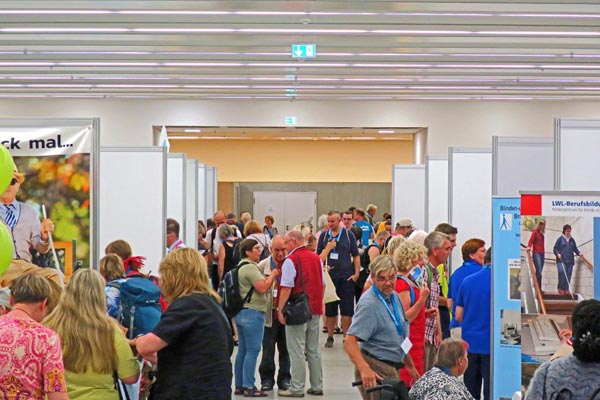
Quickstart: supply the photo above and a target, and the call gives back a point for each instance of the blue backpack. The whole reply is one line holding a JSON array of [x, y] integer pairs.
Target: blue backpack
[[139, 309]]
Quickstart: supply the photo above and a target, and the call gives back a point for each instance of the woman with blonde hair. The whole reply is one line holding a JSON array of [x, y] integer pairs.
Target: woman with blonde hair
[[94, 348], [413, 295], [252, 230], [192, 343]]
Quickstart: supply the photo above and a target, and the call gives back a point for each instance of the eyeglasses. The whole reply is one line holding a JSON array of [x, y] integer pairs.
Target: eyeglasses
[[13, 181], [384, 279]]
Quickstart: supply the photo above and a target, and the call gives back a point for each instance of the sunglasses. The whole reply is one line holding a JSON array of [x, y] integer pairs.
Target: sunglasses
[[13, 181]]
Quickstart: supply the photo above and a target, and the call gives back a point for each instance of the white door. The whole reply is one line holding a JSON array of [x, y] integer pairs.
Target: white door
[[288, 208]]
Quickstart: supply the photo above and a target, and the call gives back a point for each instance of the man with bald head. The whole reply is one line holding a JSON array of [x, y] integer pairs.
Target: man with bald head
[[274, 334], [302, 273], [214, 242]]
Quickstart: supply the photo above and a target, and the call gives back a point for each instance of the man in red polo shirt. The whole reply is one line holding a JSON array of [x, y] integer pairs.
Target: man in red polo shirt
[[302, 272]]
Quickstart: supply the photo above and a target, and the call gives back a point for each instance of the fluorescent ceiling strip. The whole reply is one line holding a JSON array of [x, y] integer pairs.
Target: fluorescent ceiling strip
[[299, 13], [299, 31]]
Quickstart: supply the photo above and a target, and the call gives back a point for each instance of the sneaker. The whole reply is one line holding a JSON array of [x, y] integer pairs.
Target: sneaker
[[287, 393], [315, 392], [266, 387], [329, 343]]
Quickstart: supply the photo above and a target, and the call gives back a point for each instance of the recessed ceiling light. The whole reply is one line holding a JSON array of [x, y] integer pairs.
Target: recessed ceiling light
[[384, 131], [192, 130]]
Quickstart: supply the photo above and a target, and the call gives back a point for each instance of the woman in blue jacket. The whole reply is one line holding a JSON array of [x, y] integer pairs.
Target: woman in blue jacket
[[565, 249]]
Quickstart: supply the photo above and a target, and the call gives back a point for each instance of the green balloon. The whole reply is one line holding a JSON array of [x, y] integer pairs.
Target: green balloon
[[7, 165], [6, 248]]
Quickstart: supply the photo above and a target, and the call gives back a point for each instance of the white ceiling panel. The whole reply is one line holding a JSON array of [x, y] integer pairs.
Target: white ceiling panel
[[480, 50]]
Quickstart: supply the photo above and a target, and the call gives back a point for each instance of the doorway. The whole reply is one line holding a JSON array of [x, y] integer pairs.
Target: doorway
[[289, 209]]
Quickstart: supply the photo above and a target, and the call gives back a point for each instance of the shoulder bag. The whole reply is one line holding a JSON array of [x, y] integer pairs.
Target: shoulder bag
[[297, 311]]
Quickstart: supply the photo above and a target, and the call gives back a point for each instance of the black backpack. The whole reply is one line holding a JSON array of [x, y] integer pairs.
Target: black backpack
[[365, 261], [231, 260], [229, 290]]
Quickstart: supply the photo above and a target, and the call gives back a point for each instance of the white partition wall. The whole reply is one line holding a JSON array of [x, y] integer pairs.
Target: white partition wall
[[436, 176], [191, 203], [408, 193], [577, 160], [201, 177], [522, 163], [211, 191], [176, 195], [469, 195], [133, 187]]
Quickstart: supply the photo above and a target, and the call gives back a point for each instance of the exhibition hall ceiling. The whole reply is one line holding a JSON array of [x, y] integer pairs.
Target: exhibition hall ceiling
[[368, 50]]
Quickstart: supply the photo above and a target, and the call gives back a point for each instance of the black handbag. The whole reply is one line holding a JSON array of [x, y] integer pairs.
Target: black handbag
[[297, 311]]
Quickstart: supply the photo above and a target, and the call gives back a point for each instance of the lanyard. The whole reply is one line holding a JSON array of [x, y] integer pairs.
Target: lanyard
[[337, 238], [273, 267], [395, 314]]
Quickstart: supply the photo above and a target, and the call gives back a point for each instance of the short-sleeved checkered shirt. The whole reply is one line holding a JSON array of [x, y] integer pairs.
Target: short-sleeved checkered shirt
[[432, 302]]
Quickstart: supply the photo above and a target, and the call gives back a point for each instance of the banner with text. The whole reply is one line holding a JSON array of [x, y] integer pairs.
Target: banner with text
[[558, 252], [55, 165], [506, 299]]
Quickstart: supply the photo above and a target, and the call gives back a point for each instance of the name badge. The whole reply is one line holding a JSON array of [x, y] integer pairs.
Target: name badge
[[406, 345], [334, 256]]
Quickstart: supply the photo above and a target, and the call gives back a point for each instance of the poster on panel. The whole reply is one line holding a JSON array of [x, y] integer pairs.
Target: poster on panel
[[49, 205], [558, 252], [506, 298]]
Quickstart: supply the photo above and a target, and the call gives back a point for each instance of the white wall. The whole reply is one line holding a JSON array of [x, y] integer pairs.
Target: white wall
[[456, 123]]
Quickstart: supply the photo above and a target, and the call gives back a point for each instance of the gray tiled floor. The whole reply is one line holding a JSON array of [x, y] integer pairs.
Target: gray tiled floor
[[338, 373]]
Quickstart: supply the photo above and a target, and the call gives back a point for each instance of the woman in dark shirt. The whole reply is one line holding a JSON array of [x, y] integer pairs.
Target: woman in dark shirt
[[192, 343]]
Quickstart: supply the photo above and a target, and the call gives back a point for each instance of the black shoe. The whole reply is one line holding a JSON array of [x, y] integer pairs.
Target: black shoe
[[329, 342]]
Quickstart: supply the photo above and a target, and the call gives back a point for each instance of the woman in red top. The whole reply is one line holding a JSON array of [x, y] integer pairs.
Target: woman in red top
[[408, 256], [536, 246]]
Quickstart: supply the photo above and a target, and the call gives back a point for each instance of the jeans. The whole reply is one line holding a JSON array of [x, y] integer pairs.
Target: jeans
[[563, 282], [250, 324], [274, 336], [478, 370], [300, 338], [538, 261]]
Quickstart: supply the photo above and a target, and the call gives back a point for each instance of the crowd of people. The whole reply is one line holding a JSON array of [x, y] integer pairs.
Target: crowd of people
[[118, 332]]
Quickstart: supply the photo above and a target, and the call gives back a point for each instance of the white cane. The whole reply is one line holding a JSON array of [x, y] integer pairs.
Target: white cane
[[564, 268], [54, 255]]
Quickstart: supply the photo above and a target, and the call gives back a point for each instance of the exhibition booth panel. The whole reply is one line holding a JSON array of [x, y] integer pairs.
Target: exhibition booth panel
[[176, 190], [211, 191], [201, 179], [408, 193], [436, 176], [191, 203], [133, 200], [469, 195], [522, 163], [576, 154]]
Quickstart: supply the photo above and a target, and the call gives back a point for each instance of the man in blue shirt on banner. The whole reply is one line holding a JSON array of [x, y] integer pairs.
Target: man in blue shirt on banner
[[473, 312], [473, 253], [377, 341]]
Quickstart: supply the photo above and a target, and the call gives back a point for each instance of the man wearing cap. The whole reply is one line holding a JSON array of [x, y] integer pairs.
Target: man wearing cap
[[405, 227], [23, 222]]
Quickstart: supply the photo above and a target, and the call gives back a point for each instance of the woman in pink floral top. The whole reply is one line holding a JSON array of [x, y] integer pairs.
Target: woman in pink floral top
[[31, 365]]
